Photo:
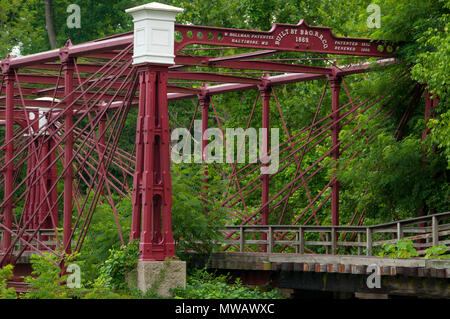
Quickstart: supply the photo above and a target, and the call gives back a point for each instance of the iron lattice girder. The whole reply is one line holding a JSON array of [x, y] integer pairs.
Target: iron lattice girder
[[281, 37], [178, 92], [283, 79], [235, 83]]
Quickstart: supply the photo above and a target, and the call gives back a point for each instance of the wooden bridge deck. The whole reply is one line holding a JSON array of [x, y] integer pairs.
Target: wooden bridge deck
[[335, 273]]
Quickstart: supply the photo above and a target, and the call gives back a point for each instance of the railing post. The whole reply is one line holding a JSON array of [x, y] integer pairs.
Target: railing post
[[302, 240], [359, 242], [435, 230], [270, 248], [399, 231], [241, 239], [327, 246], [333, 241], [368, 241]]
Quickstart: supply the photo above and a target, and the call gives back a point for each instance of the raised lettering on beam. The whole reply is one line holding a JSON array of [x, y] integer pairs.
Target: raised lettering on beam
[[300, 37]]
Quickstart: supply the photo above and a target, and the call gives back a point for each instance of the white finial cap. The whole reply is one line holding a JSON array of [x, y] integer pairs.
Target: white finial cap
[[154, 28]]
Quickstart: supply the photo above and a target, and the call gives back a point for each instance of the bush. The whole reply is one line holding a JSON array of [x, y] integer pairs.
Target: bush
[[436, 252], [112, 271], [46, 282], [204, 285], [6, 275], [403, 248]]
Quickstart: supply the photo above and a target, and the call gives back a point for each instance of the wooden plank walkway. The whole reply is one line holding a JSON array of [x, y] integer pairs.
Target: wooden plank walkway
[[335, 273], [414, 267]]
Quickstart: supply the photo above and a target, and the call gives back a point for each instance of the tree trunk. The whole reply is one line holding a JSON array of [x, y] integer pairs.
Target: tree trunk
[[50, 23]]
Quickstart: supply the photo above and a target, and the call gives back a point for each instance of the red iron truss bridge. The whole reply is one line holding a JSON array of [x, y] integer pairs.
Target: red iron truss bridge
[[64, 110]]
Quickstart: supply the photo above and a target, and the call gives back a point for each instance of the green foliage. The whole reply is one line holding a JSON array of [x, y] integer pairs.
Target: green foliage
[[204, 285], [113, 270], [440, 132], [15, 28], [100, 290], [436, 252], [397, 178], [6, 274], [403, 248], [103, 235], [196, 212], [46, 282]]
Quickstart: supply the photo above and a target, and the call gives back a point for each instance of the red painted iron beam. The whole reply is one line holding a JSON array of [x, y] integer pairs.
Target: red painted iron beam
[[242, 56], [212, 77], [283, 37], [271, 66], [235, 87], [82, 67], [181, 59], [73, 51], [285, 79], [248, 64], [19, 114]]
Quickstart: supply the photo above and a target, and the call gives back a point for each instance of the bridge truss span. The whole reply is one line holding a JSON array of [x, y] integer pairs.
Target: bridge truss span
[[64, 111]]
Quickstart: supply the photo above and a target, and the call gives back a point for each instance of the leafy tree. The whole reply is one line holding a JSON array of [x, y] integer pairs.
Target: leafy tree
[[196, 212], [46, 282], [6, 274], [103, 235], [15, 27]]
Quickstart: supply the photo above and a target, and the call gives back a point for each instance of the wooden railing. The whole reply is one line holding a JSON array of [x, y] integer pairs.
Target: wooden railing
[[426, 231], [43, 237]]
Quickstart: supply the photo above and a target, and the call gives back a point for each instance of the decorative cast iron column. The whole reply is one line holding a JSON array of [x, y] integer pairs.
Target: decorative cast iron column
[[152, 197]]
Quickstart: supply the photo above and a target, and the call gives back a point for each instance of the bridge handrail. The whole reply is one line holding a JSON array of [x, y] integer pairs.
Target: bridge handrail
[[332, 242], [40, 233]]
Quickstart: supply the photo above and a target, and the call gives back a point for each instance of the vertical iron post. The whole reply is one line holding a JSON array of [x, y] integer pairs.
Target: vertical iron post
[[204, 104], [9, 153], [265, 92], [68, 69], [335, 89]]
